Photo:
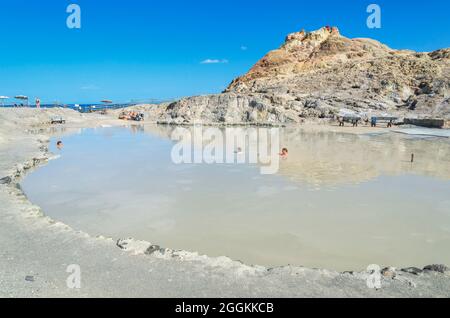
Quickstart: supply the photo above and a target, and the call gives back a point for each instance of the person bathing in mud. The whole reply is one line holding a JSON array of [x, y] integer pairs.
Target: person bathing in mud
[[59, 145], [284, 153]]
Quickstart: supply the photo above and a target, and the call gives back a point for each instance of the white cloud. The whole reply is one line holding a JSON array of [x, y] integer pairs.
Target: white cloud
[[244, 48], [214, 61]]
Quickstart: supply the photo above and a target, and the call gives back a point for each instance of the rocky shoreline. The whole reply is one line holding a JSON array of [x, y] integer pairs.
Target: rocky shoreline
[[323, 75], [35, 250]]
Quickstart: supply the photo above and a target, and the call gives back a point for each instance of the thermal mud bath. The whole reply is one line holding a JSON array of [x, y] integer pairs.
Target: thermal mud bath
[[340, 201]]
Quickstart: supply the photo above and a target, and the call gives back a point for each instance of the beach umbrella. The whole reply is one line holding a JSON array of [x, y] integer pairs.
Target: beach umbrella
[[3, 98], [106, 102], [22, 97]]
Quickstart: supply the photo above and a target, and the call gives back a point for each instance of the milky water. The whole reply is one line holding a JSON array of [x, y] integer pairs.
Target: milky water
[[340, 201]]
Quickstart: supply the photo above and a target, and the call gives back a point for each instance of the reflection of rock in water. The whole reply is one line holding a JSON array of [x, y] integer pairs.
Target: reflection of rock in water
[[322, 158], [330, 158], [161, 131]]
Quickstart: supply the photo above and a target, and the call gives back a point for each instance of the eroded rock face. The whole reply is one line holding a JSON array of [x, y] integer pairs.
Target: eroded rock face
[[320, 74], [232, 108]]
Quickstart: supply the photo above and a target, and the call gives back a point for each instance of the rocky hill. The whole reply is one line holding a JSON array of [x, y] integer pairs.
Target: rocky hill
[[322, 74]]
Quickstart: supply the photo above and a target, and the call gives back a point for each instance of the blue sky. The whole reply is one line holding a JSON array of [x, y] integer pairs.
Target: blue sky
[[140, 49]]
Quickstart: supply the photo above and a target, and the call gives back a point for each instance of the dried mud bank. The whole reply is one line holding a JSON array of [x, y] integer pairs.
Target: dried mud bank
[[35, 250]]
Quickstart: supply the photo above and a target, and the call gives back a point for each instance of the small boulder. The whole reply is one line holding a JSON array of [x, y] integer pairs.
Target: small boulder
[[436, 268], [252, 116], [310, 103], [122, 244], [152, 249], [412, 270], [29, 278], [424, 88], [5, 180], [389, 272]]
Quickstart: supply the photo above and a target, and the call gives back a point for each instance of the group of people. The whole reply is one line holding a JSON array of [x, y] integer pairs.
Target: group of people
[[131, 115]]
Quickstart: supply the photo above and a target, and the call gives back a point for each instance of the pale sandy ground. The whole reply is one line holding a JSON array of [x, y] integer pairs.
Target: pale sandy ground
[[35, 250]]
